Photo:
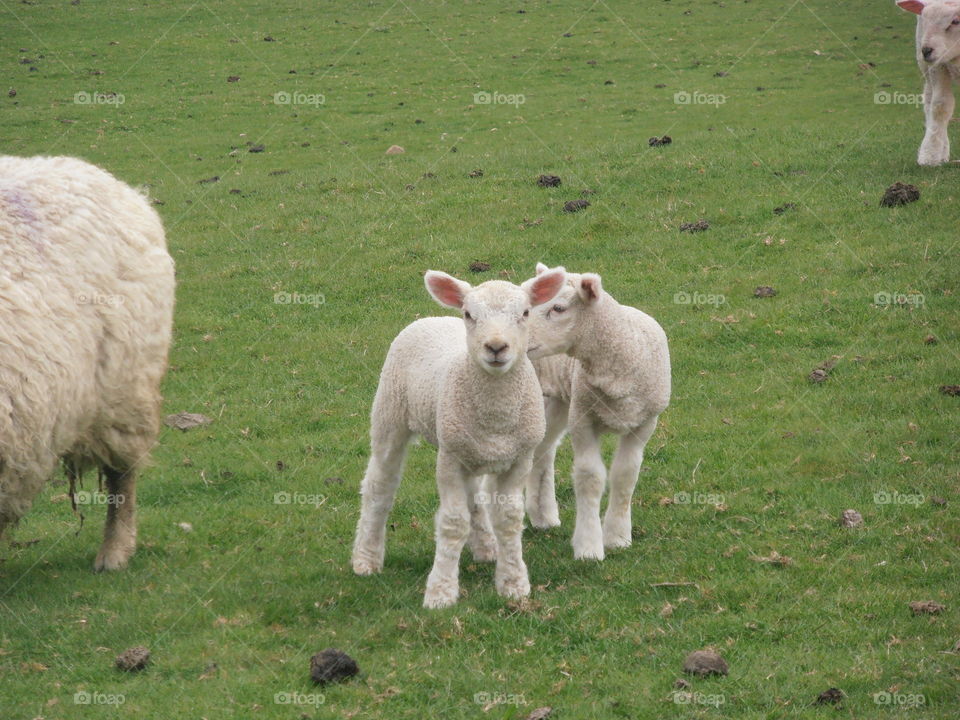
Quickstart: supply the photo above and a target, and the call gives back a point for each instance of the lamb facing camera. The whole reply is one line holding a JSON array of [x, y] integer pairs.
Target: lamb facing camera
[[467, 386]]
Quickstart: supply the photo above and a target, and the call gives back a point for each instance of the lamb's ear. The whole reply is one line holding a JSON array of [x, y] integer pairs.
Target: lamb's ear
[[541, 268], [445, 289], [914, 6], [545, 285], [589, 288]]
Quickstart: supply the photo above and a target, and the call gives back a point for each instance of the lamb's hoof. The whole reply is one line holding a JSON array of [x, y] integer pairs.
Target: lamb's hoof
[[366, 566], [441, 595], [514, 588], [588, 549], [932, 158], [543, 520], [111, 559], [616, 535], [484, 552]]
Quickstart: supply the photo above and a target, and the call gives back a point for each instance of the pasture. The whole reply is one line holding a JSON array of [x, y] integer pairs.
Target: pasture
[[261, 130]]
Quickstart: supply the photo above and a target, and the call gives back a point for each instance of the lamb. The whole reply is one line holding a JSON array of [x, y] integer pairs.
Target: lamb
[[615, 379], [938, 54], [467, 387], [86, 307]]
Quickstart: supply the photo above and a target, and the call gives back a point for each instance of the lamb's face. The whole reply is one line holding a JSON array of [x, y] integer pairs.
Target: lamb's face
[[495, 314], [555, 325], [940, 33]]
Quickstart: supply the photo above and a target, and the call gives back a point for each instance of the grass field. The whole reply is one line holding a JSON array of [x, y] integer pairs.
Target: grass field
[[767, 104]]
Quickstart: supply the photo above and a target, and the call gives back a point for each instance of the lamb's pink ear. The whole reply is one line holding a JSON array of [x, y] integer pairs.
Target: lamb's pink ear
[[445, 289], [545, 286], [541, 268], [590, 288], [914, 6]]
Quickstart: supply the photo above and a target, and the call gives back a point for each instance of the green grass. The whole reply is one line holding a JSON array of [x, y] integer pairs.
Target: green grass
[[233, 610]]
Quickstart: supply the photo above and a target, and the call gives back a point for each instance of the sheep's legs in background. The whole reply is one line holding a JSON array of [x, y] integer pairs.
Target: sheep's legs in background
[[624, 471], [452, 526], [379, 489], [541, 498], [482, 542], [506, 507], [120, 530], [589, 476], [938, 103]]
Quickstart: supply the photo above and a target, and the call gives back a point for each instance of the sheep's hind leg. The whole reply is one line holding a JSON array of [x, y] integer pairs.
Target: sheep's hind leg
[[624, 471], [482, 542], [120, 530], [378, 490], [541, 498]]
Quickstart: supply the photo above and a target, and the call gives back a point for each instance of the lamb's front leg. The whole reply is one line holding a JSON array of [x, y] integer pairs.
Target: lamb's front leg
[[541, 498], [624, 471], [452, 529], [589, 476], [938, 103], [511, 576]]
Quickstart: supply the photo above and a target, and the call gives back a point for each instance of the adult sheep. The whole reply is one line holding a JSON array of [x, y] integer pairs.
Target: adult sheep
[[86, 308]]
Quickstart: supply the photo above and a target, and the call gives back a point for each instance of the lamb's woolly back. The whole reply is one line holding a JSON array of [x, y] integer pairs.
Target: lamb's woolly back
[[86, 303]]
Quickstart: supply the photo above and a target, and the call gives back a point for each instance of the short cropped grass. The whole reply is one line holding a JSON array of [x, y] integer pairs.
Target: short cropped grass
[[300, 262]]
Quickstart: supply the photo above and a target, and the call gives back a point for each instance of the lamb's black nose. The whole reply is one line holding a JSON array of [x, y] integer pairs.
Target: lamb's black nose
[[927, 52], [496, 349]]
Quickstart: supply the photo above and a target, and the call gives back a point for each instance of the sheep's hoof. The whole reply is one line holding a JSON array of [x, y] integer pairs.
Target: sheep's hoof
[[363, 566], [592, 550], [441, 595], [514, 588], [616, 535], [544, 522], [484, 552], [111, 559]]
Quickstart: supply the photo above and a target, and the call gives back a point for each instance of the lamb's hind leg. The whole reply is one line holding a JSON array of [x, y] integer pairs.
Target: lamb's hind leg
[[541, 498], [482, 542], [452, 529], [624, 471], [120, 530], [379, 488], [938, 104]]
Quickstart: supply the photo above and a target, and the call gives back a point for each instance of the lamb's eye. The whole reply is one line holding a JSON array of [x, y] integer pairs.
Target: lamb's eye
[[526, 313], [955, 21], [467, 315], [558, 308]]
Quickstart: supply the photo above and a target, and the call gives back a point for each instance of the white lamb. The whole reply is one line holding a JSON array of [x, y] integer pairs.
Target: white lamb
[[615, 379], [938, 54], [86, 305], [469, 389]]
